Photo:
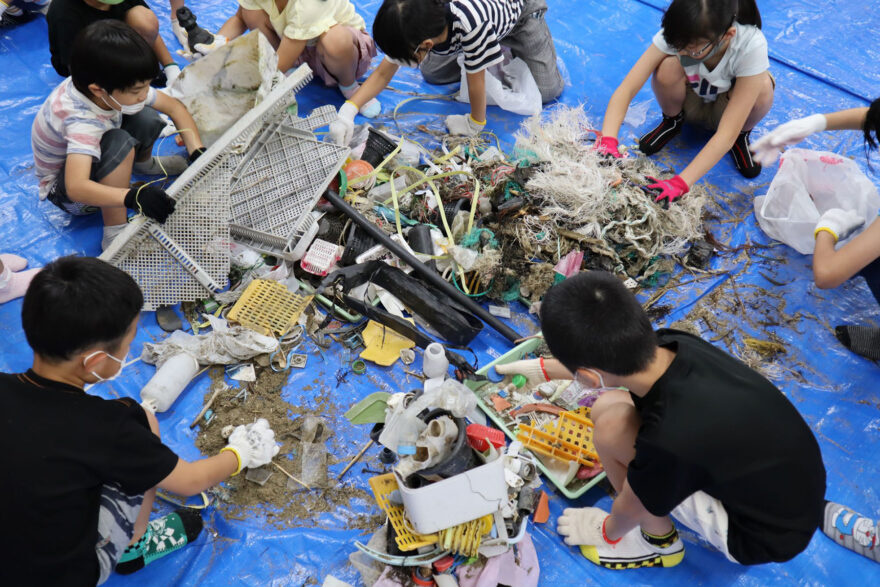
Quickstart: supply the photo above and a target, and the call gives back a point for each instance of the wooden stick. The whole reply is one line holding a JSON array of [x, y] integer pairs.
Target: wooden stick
[[283, 470], [355, 459], [206, 408]]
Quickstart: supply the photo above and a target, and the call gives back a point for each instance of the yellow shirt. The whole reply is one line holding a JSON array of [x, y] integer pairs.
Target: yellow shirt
[[305, 20]]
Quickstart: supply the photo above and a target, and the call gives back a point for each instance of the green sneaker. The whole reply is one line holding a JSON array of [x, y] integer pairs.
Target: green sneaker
[[163, 536]]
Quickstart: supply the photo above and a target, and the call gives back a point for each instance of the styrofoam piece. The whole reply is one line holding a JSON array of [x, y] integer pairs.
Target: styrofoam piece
[[320, 258], [187, 258], [456, 500]]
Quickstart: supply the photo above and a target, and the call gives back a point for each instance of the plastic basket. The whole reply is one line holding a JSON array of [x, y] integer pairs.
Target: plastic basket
[[187, 258], [268, 307], [320, 258], [383, 486], [279, 181], [574, 489], [569, 438]]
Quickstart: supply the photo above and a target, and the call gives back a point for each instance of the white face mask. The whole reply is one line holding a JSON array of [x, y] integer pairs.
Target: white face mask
[[128, 109], [122, 363]]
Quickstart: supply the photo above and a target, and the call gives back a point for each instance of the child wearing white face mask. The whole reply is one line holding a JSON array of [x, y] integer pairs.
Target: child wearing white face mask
[[83, 476], [99, 125]]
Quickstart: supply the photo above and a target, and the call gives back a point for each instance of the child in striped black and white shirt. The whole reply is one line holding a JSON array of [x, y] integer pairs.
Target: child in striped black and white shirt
[[431, 34]]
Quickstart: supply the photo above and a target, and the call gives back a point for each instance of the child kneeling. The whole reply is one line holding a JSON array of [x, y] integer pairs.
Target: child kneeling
[[84, 470], [99, 125]]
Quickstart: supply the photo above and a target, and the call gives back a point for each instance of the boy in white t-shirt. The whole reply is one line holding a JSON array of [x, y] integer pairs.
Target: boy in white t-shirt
[[708, 66]]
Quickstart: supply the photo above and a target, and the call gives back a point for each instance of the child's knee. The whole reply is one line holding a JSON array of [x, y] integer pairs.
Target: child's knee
[[144, 21], [669, 71], [117, 149], [336, 42], [617, 426], [254, 19], [552, 91]]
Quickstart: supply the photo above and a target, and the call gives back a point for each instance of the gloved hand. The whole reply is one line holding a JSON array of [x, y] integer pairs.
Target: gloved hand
[[150, 201], [839, 223], [172, 72], [179, 33], [582, 526], [342, 128], [608, 146], [768, 147], [667, 190], [202, 49], [254, 444], [464, 124], [196, 154], [532, 369]]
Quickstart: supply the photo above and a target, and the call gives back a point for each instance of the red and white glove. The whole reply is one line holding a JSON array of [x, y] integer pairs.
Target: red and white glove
[[667, 190], [608, 146], [532, 369]]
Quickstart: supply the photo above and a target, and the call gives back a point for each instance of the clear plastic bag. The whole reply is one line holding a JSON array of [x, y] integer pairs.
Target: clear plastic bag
[[509, 85], [808, 184]]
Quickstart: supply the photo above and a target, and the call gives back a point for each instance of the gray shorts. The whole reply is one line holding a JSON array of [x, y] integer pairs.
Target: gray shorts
[[116, 519], [530, 40], [138, 132]]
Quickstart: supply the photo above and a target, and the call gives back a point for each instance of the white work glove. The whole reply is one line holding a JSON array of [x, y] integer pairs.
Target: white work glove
[[464, 124], [254, 444], [768, 147], [839, 223], [531, 369], [342, 128], [172, 72], [180, 33], [202, 49], [581, 526]]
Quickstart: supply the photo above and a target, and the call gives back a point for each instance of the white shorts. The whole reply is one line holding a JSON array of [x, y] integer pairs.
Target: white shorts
[[706, 516]]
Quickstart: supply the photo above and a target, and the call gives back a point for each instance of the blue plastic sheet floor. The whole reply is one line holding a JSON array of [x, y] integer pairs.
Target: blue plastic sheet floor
[[823, 54]]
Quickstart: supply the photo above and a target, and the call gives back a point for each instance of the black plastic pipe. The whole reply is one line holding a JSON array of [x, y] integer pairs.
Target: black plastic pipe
[[428, 274]]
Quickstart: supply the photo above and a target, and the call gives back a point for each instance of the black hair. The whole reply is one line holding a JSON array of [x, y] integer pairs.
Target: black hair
[[592, 320], [871, 127], [401, 26], [113, 55], [77, 303], [687, 21]]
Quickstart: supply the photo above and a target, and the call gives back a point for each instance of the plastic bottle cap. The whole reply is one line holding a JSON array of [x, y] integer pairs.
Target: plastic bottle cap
[[519, 380]]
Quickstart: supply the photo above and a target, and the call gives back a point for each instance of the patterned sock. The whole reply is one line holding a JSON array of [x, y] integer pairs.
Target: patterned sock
[[742, 156], [664, 541], [862, 340], [668, 129], [851, 530], [369, 110], [163, 536]]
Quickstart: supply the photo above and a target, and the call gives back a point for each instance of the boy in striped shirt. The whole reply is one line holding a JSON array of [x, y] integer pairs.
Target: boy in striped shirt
[[100, 124], [430, 34]]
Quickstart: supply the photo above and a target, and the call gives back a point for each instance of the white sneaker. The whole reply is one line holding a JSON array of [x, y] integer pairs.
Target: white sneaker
[[637, 549]]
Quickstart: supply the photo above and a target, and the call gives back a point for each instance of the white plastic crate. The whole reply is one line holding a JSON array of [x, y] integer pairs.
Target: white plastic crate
[[320, 258]]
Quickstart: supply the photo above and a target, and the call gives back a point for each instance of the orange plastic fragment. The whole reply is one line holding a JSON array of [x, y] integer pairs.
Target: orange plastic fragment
[[500, 403], [542, 512]]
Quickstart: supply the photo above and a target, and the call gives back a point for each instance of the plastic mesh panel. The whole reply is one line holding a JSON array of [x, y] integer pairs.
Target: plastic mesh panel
[[570, 438], [383, 486], [268, 307]]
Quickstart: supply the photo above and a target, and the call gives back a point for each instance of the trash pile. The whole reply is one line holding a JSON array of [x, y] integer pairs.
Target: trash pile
[[456, 496]]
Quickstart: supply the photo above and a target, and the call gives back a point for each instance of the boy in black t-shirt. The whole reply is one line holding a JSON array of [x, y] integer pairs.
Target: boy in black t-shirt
[[682, 429], [79, 485], [66, 18]]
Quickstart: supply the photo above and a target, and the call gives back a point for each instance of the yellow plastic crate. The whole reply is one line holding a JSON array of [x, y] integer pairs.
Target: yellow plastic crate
[[465, 539], [268, 307], [383, 486], [569, 438]]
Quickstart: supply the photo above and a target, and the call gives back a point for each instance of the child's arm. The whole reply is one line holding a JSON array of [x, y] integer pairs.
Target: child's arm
[[80, 187], [374, 84], [769, 146], [234, 27], [191, 478], [628, 88], [182, 119], [473, 123], [830, 267], [627, 513], [732, 121], [852, 119], [289, 51]]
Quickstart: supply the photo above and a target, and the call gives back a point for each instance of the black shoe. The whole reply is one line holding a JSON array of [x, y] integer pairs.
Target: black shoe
[[668, 129], [11, 20], [742, 157]]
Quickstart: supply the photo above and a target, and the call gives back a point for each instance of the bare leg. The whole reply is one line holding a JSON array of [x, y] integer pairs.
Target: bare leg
[[175, 4], [234, 27], [257, 20], [339, 55], [616, 427], [762, 104], [118, 178], [668, 83], [144, 21]]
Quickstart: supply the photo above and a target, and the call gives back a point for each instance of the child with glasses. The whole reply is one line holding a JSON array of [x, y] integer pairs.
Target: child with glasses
[[708, 66], [430, 34]]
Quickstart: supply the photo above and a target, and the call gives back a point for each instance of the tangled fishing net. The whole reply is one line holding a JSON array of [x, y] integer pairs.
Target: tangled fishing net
[[581, 196]]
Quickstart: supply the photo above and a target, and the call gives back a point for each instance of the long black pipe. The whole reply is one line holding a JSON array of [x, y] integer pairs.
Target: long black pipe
[[425, 272]]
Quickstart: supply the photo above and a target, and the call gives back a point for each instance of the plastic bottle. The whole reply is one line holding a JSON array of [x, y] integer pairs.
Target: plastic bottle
[[194, 33], [168, 382], [409, 434]]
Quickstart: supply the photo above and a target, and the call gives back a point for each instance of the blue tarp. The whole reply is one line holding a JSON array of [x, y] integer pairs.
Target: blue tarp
[[823, 57]]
